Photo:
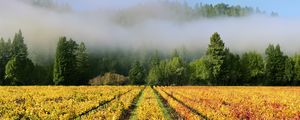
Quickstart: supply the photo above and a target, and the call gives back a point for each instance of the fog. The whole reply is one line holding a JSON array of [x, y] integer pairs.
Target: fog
[[149, 26]]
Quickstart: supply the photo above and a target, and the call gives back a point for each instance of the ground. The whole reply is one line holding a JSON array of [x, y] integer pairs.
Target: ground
[[149, 103]]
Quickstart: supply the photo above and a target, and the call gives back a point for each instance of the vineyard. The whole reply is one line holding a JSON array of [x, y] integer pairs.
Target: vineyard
[[145, 102]]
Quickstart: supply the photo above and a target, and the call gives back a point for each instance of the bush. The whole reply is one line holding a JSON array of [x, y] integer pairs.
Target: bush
[[109, 79]]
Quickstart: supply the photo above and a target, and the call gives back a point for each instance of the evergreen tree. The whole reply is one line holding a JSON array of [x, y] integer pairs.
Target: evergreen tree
[[136, 74], [4, 58], [19, 48], [59, 63], [19, 68], [252, 67], [230, 69], [215, 50], [82, 64], [42, 75], [154, 73], [65, 62], [18, 72], [275, 65]]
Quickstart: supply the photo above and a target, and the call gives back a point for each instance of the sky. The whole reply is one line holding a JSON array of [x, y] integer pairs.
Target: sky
[[286, 8], [150, 26]]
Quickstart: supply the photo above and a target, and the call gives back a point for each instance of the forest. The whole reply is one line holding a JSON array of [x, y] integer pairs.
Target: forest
[[74, 63]]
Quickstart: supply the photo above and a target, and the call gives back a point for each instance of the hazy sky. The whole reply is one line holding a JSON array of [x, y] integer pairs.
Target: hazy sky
[[150, 26], [287, 8]]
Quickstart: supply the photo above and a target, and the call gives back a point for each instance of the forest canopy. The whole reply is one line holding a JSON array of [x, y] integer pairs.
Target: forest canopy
[[73, 65], [77, 61]]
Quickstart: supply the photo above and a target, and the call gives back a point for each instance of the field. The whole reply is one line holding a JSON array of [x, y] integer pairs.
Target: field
[[149, 103]]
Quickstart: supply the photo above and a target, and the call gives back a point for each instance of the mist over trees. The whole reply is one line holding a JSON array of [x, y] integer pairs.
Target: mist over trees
[[179, 10], [49, 4], [74, 65], [71, 63]]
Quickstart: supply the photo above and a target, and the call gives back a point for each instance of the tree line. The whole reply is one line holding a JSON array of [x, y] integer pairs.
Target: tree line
[[74, 65], [180, 7], [219, 66], [213, 10]]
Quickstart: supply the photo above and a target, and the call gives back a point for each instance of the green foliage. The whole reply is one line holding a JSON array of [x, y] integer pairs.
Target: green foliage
[[18, 71], [230, 69], [73, 65], [18, 47], [42, 75], [19, 67], [11, 72], [296, 61], [175, 71], [199, 71], [216, 52], [5, 55], [210, 10], [136, 74], [154, 76], [289, 71], [65, 62], [154, 73], [82, 64], [182, 12], [252, 65], [222, 9], [275, 65]]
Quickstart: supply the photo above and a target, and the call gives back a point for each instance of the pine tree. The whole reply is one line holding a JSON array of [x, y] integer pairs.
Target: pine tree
[[19, 67], [65, 62], [230, 69], [59, 63], [275, 65], [82, 64], [216, 52], [19, 48], [136, 74]]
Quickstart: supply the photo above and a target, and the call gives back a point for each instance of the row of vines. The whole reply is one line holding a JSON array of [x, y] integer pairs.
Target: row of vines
[[234, 102], [145, 102]]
